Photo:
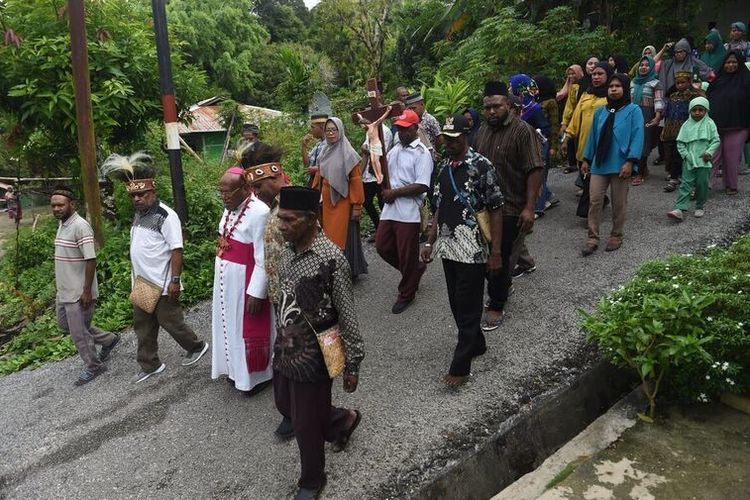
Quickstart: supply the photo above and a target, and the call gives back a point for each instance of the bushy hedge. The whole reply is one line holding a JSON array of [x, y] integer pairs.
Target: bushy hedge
[[682, 323]]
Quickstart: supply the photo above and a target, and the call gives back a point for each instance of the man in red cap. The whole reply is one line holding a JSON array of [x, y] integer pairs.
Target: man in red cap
[[397, 238]]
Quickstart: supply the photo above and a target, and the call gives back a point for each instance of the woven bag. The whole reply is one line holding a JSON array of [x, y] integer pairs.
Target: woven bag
[[145, 294]]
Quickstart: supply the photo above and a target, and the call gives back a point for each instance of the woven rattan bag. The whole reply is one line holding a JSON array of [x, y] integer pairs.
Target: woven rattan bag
[[145, 294]]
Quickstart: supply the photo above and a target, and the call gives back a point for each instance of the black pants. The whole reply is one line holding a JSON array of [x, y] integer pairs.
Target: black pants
[[672, 159], [465, 283], [314, 420], [372, 191], [498, 285]]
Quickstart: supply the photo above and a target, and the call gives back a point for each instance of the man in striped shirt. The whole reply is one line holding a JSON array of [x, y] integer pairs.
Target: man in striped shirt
[[75, 277]]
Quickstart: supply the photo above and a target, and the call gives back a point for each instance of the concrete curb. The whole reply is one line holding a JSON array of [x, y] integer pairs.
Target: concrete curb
[[525, 440]]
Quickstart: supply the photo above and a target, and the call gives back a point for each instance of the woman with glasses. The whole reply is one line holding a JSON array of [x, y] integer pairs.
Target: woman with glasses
[[339, 181]]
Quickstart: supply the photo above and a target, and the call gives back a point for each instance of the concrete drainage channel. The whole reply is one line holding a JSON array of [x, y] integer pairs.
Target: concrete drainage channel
[[525, 440]]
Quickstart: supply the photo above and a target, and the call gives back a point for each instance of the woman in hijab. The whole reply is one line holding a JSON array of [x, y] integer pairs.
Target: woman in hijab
[[729, 96], [342, 194], [682, 60], [715, 51], [648, 50], [569, 94], [647, 93], [618, 63], [472, 115], [551, 111], [580, 124], [612, 152]]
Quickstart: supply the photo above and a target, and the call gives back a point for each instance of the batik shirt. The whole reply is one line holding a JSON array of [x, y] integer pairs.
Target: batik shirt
[[431, 127], [459, 238], [273, 242], [316, 294]]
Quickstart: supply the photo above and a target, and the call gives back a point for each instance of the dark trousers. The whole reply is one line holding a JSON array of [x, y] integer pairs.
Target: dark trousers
[[465, 283], [372, 192], [315, 421], [672, 159], [498, 285], [168, 315], [398, 244]]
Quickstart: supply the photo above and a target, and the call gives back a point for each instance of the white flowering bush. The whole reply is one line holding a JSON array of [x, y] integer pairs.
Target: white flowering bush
[[682, 323]]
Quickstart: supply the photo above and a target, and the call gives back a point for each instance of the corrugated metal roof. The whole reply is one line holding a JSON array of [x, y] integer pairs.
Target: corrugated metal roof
[[205, 118]]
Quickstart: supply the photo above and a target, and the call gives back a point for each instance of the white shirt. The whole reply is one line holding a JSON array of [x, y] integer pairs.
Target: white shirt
[[152, 238], [367, 176], [407, 165]]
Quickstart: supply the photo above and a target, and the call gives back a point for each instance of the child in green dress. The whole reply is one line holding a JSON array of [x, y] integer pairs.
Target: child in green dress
[[697, 141]]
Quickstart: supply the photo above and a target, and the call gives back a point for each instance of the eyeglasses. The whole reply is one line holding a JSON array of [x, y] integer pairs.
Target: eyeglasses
[[331, 131], [228, 194]]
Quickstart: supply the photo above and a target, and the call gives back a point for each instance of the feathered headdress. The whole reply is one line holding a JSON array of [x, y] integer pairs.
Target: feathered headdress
[[136, 170], [260, 154], [320, 108]]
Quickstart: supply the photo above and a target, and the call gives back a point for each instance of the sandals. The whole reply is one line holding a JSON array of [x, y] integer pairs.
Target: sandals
[[570, 169], [637, 180], [488, 326], [670, 187], [340, 444]]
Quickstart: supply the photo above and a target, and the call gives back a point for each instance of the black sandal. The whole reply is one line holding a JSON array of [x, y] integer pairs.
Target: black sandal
[[669, 188], [340, 444]]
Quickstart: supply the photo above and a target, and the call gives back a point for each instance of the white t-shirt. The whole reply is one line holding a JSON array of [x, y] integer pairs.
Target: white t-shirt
[[407, 165], [367, 176], [152, 238]]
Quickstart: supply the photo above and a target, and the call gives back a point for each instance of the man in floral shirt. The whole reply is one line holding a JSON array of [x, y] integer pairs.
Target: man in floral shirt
[[315, 295], [466, 184]]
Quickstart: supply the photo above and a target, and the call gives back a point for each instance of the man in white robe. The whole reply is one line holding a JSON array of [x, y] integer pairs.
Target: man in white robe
[[242, 325]]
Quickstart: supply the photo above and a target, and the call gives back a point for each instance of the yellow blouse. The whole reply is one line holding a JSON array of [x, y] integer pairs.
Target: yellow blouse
[[580, 123]]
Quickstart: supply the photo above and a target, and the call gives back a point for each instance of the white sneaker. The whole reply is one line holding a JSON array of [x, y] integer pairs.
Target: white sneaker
[[194, 357], [142, 375], [700, 213], [675, 214]]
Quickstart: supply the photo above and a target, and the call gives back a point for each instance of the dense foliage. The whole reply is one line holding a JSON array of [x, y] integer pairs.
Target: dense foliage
[[682, 323]]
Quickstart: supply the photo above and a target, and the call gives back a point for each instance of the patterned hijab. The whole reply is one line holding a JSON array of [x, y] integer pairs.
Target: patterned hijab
[[524, 87], [337, 160]]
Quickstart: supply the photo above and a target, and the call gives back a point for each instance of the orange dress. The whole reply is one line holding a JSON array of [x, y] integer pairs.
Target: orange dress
[[335, 219]]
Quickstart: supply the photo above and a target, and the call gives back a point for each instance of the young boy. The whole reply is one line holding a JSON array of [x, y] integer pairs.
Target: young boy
[[697, 141], [675, 114]]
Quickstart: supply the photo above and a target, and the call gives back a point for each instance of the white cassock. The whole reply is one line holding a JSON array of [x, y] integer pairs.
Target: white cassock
[[242, 344]]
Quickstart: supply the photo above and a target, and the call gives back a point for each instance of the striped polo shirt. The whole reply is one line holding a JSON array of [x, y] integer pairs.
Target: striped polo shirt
[[74, 245]]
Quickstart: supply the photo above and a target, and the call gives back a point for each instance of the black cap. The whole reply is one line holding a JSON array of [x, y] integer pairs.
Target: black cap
[[299, 198], [495, 88], [455, 125], [250, 127], [414, 98]]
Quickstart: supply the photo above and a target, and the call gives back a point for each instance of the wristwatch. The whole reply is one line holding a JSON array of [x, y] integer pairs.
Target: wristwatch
[[176, 279]]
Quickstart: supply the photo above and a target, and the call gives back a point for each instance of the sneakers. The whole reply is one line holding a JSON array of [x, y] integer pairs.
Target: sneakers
[[699, 213], [676, 214], [107, 349], [400, 306], [142, 375], [520, 271], [87, 375], [193, 357]]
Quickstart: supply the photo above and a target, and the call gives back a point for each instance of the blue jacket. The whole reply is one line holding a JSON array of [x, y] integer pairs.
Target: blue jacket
[[627, 143]]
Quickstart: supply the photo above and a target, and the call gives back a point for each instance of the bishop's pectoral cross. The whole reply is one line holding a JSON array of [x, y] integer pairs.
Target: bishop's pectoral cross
[[373, 113], [222, 247]]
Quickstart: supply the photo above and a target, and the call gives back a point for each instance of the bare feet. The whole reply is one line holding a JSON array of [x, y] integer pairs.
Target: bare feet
[[455, 381]]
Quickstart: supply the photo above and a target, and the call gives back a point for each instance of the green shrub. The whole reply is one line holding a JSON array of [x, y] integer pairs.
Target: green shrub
[[682, 323]]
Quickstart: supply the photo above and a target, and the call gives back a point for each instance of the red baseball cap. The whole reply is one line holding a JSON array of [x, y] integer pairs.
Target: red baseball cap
[[407, 119]]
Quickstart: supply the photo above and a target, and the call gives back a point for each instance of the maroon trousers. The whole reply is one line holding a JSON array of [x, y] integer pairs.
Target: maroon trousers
[[398, 244], [314, 420]]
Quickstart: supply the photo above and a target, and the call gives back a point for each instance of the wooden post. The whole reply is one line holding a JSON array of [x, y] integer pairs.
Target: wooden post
[[84, 118], [373, 113]]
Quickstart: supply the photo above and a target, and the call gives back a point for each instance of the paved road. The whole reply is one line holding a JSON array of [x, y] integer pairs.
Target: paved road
[[183, 435]]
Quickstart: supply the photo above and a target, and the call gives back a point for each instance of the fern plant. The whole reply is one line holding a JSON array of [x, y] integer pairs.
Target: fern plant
[[446, 96]]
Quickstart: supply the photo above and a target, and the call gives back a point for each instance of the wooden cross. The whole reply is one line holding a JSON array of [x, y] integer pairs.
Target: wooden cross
[[373, 113]]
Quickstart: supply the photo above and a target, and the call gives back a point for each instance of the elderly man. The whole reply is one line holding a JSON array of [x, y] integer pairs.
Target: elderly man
[[315, 296], [156, 257], [241, 326], [512, 147], [397, 237], [401, 94], [75, 277], [466, 185], [428, 124]]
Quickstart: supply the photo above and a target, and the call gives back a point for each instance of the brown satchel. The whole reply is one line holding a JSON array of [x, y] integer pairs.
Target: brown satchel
[[145, 293]]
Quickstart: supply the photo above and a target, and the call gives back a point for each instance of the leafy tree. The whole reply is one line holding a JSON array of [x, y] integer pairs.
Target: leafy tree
[[36, 83], [283, 19], [224, 38]]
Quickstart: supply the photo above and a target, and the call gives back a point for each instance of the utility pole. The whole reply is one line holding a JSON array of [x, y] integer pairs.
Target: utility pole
[[84, 118], [170, 107]]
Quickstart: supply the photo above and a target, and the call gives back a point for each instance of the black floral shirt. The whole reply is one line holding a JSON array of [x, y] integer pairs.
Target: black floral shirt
[[315, 290], [459, 238]]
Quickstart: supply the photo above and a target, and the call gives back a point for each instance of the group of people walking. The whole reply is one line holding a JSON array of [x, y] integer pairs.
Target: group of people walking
[[467, 191]]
